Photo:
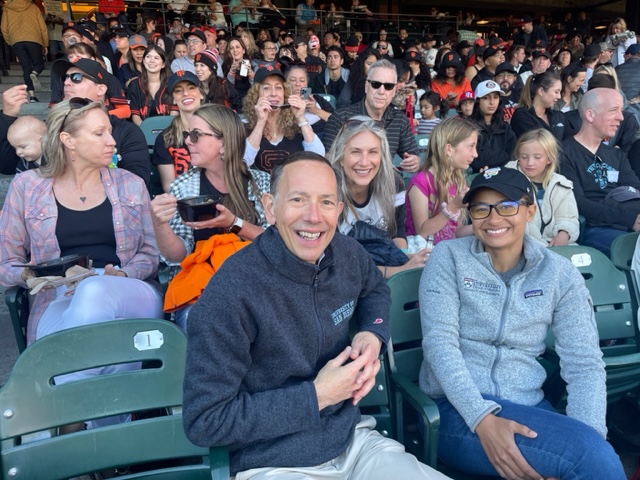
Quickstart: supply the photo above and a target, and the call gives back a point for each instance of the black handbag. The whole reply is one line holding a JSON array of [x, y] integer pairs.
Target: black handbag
[[377, 243]]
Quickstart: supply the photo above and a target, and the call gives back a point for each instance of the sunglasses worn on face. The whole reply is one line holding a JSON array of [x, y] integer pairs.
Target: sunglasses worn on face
[[74, 103], [77, 77], [507, 208], [376, 85], [194, 135], [382, 47]]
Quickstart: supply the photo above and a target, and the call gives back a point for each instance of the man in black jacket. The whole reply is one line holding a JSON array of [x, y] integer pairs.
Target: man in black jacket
[[530, 35], [85, 79], [601, 174], [276, 315], [629, 73]]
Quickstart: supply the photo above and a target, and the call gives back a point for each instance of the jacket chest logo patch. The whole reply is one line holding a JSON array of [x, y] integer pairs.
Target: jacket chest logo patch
[[478, 286], [343, 312], [533, 293]]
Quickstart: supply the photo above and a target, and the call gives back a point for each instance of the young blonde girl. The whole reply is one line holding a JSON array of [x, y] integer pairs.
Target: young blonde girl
[[434, 195], [556, 219]]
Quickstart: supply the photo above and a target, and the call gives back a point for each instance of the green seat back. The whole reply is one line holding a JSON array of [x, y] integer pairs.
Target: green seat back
[[622, 249], [17, 300], [153, 126], [615, 317], [328, 97], [406, 329], [377, 403], [423, 147], [31, 402]]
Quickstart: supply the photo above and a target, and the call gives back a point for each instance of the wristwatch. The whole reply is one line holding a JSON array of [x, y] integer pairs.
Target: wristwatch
[[237, 226]]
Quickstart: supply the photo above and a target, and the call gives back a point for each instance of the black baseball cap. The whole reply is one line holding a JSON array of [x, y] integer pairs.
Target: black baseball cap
[[510, 182], [541, 53], [197, 33], [490, 52], [90, 67], [181, 76], [265, 72], [505, 67]]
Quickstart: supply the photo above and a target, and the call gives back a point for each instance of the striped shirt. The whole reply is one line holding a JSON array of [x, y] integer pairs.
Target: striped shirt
[[396, 124]]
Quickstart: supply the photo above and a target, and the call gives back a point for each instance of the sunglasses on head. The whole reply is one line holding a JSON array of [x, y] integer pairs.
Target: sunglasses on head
[[77, 77], [75, 103], [376, 85], [194, 135], [354, 122]]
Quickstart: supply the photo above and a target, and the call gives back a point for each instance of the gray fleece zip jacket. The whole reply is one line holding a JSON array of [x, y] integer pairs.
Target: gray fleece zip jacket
[[482, 336], [257, 338]]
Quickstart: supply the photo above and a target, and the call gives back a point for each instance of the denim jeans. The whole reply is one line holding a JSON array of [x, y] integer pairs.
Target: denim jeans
[[180, 317], [601, 238], [565, 447]]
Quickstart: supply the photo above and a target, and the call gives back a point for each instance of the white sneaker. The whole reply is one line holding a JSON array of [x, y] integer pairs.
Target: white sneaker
[[36, 81]]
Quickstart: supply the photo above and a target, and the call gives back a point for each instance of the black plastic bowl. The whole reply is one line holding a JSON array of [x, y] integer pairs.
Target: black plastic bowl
[[199, 209], [59, 266]]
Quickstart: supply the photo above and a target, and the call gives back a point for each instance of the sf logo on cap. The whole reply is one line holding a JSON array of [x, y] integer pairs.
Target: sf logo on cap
[[491, 172], [450, 57], [180, 73]]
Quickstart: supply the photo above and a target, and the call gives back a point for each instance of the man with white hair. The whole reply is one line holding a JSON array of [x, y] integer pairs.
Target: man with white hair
[[606, 188], [379, 90]]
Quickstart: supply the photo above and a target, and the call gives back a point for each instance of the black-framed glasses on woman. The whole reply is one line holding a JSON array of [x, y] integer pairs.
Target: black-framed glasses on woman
[[507, 208], [194, 135], [74, 103]]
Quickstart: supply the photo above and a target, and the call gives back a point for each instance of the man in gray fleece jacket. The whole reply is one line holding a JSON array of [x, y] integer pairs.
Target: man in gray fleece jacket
[[487, 304], [271, 372]]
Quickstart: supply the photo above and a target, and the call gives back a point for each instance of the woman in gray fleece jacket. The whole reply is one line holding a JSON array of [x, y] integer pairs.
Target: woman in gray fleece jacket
[[487, 305]]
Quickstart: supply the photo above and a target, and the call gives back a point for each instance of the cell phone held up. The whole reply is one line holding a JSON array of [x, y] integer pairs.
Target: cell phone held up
[[305, 93], [244, 68]]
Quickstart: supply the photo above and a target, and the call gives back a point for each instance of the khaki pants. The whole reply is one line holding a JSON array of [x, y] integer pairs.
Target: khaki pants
[[369, 457]]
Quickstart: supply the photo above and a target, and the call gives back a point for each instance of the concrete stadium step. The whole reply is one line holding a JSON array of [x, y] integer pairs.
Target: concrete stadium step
[[39, 109]]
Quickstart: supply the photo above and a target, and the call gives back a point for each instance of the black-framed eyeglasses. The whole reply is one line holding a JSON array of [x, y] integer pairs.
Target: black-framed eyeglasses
[[376, 85], [507, 208], [75, 103], [76, 77], [194, 135]]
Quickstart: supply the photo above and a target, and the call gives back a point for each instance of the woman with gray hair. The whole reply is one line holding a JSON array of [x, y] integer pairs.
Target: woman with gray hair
[[371, 189], [77, 204]]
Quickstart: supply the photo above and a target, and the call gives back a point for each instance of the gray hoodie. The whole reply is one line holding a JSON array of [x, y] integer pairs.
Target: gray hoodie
[[482, 336]]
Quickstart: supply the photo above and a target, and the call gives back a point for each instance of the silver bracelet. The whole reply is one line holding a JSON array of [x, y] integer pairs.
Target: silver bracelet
[[302, 124]]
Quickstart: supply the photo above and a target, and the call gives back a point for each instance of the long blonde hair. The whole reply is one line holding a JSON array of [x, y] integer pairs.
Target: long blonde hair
[[451, 131], [550, 146], [384, 185], [287, 124]]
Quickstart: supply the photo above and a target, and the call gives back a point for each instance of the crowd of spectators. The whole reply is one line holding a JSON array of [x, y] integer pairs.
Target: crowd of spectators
[[549, 126]]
